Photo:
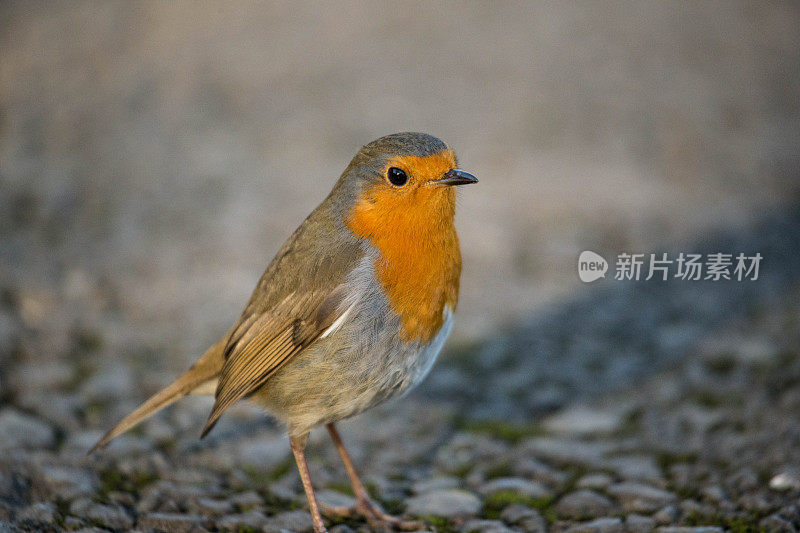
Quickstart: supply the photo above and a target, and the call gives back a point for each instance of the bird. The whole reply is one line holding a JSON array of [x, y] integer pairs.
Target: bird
[[352, 311]]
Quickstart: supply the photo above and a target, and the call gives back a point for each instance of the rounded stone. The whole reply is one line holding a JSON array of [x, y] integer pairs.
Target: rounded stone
[[524, 518], [638, 497], [532, 489], [65, 482], [601, 525], [637, 523], [583, 504], [23, 431], [436, 483], [477, 525], [173, 522], [447, 503], [594, 481], [299, 521]]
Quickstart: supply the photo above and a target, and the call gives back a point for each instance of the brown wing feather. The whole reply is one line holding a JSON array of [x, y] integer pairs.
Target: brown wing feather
[[274, 327], [261, 344]]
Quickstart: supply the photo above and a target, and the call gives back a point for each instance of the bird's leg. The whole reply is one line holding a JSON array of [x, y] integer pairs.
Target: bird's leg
[[298, 445], [374, 515]]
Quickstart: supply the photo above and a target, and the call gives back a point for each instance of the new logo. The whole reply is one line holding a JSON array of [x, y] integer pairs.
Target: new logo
[[591, 266]]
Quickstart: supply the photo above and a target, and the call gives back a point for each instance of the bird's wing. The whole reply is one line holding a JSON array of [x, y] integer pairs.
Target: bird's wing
[[262, 342], [297, 299]]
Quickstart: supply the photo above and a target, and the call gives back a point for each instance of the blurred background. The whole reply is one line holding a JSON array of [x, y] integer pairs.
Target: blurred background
[[168, 149], [155, 155]]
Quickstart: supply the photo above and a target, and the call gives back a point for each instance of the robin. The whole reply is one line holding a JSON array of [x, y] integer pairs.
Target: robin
[[352, 311]]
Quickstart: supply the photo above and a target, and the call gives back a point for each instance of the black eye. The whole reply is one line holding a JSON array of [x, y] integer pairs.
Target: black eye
[[397, 176]]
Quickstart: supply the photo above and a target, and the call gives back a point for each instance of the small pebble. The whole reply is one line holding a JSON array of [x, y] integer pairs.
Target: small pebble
[[636, 523], [601, 525], [447, 503]]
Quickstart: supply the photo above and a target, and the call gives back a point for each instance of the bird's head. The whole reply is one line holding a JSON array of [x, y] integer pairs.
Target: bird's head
[[402, 182]]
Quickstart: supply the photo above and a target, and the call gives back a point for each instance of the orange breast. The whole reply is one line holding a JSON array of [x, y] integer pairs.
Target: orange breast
[[420, 259]]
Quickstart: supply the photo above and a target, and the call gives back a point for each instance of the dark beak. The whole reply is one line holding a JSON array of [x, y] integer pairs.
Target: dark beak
[[456, 177]]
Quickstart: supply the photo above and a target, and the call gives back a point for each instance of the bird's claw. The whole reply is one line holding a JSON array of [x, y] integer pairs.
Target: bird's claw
[[374, 515]]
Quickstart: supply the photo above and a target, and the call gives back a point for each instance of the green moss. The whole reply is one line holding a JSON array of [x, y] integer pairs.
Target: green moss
[[462, 470], [439, 524], [278, 504], [501, 469], [344, 488], [265, 477], [786, 359], [512, 433], [93, 412], [684, 492], [496, 502], [738, 524], [112, 480], [548, 513], [62, 510], [354, 522], [393, 507], [247, 529], [666, 460], [743, 525], [630, 423], [711, 399], [372, 489]]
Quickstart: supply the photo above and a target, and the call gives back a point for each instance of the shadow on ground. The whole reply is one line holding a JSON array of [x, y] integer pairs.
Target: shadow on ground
[[618, 333]]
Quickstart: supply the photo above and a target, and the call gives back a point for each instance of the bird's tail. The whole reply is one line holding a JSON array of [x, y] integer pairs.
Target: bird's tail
[[201, 378]]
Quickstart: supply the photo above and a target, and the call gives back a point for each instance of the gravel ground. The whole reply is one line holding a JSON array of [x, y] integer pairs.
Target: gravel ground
[[154, 156], [637, 407]]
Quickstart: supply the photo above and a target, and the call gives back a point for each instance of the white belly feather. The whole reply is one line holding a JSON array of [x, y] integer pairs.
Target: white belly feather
[[427, 356]]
